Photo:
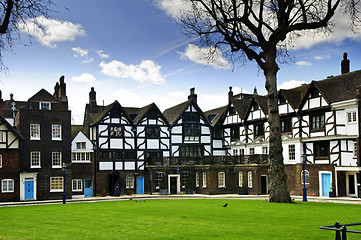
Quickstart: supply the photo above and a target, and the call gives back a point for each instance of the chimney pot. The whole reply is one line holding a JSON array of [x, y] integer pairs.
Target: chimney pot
[[345, 64]]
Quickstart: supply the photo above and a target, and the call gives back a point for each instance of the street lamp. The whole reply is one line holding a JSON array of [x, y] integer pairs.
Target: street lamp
[[304, 190], [64, 196]]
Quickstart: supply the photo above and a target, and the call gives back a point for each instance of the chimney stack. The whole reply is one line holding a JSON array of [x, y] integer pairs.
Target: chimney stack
[[92, 100], [192, 95], [345, 64], [230, 94]]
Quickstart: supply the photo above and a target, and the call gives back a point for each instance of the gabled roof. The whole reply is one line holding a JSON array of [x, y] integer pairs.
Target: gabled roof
[[43, 95], [262, 103], [11, 128], [241, 106], [339, 88], [173, 114], [216, 115], [141, 112], [294, 96], [75, 129], [102, 111]]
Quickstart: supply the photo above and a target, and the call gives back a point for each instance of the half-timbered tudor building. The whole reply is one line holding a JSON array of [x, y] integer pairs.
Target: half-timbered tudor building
[[82, 165], [9, 161]]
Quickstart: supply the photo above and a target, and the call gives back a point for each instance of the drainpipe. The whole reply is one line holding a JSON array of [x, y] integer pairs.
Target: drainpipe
[[358, 97]]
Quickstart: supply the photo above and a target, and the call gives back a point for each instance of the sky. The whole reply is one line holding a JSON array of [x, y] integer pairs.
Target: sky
[[135, 52]]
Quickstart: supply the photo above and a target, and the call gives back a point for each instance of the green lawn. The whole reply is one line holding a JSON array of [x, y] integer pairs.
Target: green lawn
[[177, 219]]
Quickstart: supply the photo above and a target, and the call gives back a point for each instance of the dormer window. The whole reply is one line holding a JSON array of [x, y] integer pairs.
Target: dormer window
[[314, 93], [45, 106]]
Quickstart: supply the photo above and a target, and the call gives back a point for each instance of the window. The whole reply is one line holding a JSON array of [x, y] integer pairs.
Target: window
[[45, 106], [184, 176], [129, 182], [191, 151], [217, 132], [115, 131], [240, 179], [281, 100], [34, 159], [77, 185], [1, 161], [152, 132], [286, 125], [250, 183], [34, 131], [56, 159], [235, 152], [80, 145], [314, 93], [307, 177], [7, 185], [258, 129], [204, 180], [56, 184], [2, 136], [251, 151], [80, 157], [197, 179], [318, 122], [191, 117], [234, 133], [321, 149], [232, 111], [291, 152], [191, 131], [354, 150], [56, 132], [221, 179], [158, 179], [351, 117], [264, 150]]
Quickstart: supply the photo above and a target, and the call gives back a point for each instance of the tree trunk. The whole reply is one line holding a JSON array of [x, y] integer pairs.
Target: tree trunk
[[278, 190]]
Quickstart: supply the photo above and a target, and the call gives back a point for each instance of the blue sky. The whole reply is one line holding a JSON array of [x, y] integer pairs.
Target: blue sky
[[136, 53]]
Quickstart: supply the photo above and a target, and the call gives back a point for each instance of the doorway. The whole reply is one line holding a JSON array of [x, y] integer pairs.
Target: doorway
[[174, 183], [351, 184], [264, 184], [325, 183], [88, 188], [140, 185]]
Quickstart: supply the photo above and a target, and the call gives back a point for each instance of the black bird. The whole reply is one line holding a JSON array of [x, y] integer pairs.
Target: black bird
[[225, 205]]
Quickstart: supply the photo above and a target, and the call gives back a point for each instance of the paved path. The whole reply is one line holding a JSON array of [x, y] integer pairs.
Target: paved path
[[140, 197]]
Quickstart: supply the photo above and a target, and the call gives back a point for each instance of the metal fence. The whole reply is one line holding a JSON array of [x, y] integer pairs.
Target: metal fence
[[341, 230]]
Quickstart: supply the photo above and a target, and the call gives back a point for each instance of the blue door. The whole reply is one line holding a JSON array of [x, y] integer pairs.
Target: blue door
[[29, 190], [88, 188], [140, 185], [326, 184]]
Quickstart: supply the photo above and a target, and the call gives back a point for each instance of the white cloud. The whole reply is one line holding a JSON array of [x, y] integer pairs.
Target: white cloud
[[303, 63], [173, 7], [205, 56], [177, 94], [322, 57], [88, 60], [85, 77], [291, 84], [146, 72], [49, 31], [102, 54], [79, 52]]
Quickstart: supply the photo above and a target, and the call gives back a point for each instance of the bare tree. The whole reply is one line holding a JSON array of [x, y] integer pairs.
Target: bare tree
[[261, 30], [14, 12]]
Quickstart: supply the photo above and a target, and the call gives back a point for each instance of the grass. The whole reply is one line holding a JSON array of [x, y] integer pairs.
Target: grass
[[177, 219]]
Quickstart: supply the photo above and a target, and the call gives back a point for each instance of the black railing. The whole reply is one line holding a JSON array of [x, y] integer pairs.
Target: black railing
[[341, 230], [209, 160]]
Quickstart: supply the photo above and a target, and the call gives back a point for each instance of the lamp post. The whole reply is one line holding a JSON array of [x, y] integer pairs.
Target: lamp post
[[64, 196], [304, 190]]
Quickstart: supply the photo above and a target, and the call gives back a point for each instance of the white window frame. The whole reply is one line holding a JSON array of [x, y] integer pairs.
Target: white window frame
[[56, 131], [129, 182], [351, 117], [80, 145], [158, 178], [197, 179], [1, 161], [80, 157], [47, 104], [307, 177], [240, 179], [251, 151], [221, 179], [57, 181], [204, 179], [6, 188], [77, 185], [355, 149], [292, 155], [53, 158], [34, 131], [31, 160], [2, 138], [250, 179], [264, 150]]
